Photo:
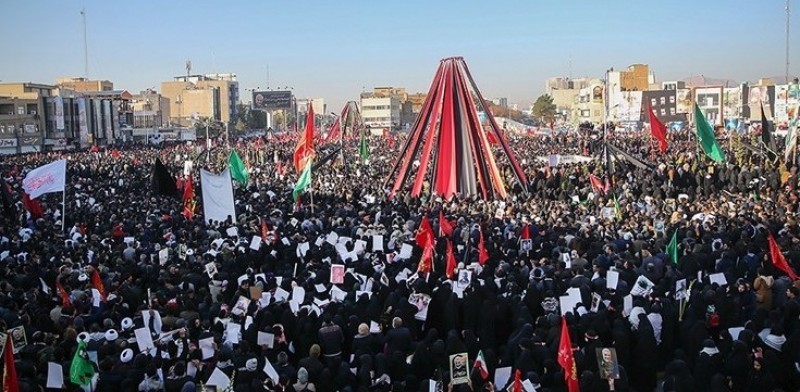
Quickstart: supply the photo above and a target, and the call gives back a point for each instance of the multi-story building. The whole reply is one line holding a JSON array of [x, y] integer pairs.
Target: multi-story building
[[192, 97], [588, 106], [673, 85], [380, 113], [150, 110], [501, 102], [22, 116], [663, 104], [82, 84]]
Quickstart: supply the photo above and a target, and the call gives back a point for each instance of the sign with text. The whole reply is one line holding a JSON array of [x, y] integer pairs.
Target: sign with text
[[269, 100]]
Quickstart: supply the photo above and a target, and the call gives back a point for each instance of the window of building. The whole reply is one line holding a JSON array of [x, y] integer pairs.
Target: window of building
[[672, 111], [663, 112], [663, 100], [671, 99], [652, 102]]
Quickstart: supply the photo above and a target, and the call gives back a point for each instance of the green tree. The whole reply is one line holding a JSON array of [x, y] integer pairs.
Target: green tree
[[544, 109], [215, 128], [240, 127]]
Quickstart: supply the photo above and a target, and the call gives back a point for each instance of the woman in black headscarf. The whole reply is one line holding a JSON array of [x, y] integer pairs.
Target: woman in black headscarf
[[644, 365], [737, 365], [422, 363]]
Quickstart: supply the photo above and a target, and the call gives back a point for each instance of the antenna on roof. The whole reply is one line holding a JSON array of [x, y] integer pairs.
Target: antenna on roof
[[188, 68]]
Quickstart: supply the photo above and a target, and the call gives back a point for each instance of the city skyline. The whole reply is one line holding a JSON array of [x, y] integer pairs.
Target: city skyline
[[336, 51]]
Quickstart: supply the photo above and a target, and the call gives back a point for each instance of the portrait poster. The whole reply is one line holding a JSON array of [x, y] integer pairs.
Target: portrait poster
[[459, 368], [607, 364]]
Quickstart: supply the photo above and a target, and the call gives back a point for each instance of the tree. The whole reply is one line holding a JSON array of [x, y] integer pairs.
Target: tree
[[544, 109], [215, 128]]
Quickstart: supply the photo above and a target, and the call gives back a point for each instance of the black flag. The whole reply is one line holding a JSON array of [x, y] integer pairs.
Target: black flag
[[162, 182], [6, 198]]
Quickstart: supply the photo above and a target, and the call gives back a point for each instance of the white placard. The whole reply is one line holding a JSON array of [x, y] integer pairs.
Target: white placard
[[255, 243], [55, 376], [266, 339], [501, 376], [612, 279], [299, 294], [302, 249], [377, 243], [338, 294], [232, 332], [405, 252], [144, 340], [281, 295], [207, 347], [718, 278], [333, 238], [218, 379], [232, 232]]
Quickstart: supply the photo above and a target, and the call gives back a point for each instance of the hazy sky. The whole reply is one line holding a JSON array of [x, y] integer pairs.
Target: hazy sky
[[334, 49]]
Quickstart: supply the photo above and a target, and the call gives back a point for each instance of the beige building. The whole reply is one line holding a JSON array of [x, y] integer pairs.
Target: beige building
[[150, 110], [22, 116], [197, 96], [83, 84]]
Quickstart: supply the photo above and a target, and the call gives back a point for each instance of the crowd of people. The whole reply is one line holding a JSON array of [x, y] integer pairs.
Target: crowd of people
[[323, 294]]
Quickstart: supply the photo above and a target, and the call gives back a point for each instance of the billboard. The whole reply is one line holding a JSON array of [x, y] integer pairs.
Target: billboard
[[731, 102], [683, 97], [270, 100], [59, 113], [84, 123]]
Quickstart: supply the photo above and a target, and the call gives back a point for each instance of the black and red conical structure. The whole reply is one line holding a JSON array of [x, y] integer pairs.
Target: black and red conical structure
[[448, 134]]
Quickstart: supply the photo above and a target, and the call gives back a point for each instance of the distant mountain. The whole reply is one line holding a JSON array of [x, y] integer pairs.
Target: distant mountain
[[702, 80]]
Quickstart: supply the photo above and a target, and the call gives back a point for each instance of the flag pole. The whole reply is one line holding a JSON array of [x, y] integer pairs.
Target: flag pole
[[63, 208]]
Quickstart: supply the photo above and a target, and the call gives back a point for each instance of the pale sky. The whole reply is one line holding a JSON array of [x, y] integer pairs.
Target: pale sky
[[334, 49]]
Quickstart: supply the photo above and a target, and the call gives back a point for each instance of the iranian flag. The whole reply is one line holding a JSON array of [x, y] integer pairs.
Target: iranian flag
[[480, 364]]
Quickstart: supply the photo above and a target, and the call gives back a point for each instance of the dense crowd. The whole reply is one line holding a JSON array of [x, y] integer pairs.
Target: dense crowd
[[263, 315]]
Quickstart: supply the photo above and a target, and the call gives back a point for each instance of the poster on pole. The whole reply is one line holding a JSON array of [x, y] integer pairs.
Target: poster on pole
[[83, 123], [59, 102]]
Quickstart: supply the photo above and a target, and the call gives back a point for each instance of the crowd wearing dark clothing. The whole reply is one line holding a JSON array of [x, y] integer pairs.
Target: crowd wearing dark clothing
[[213, 303]]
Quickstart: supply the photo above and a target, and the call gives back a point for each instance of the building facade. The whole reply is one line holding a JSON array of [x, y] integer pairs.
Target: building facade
[[82, 84], [150, 110], [380, 112], [22, 116], [193, 97]]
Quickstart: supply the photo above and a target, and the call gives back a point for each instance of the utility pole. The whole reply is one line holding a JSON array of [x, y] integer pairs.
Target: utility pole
[[787, 41], [85, 47]]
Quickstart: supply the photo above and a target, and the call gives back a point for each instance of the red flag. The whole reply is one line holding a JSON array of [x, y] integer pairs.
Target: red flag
[[445, 226], [65, 302], [94, 148], [450, 268], [10, 381], [777, 258], [188, 199], [98, 284], [597, 184], [492, 138], [264, 230], [114, 153], [32, 205], [566, 358], [658, 130], [526, 232], [425, 233], [305, 145], [517, 385], [483, 255], [425, 263]]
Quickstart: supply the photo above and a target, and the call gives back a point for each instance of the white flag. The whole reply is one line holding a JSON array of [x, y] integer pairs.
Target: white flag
[[217, 196], [45, 179]]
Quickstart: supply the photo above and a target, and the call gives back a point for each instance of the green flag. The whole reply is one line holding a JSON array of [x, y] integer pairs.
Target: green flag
[[672, 248], [363, 150], [238, 169], [706, 138], [82, 370], [617, 211], [303, 182]]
